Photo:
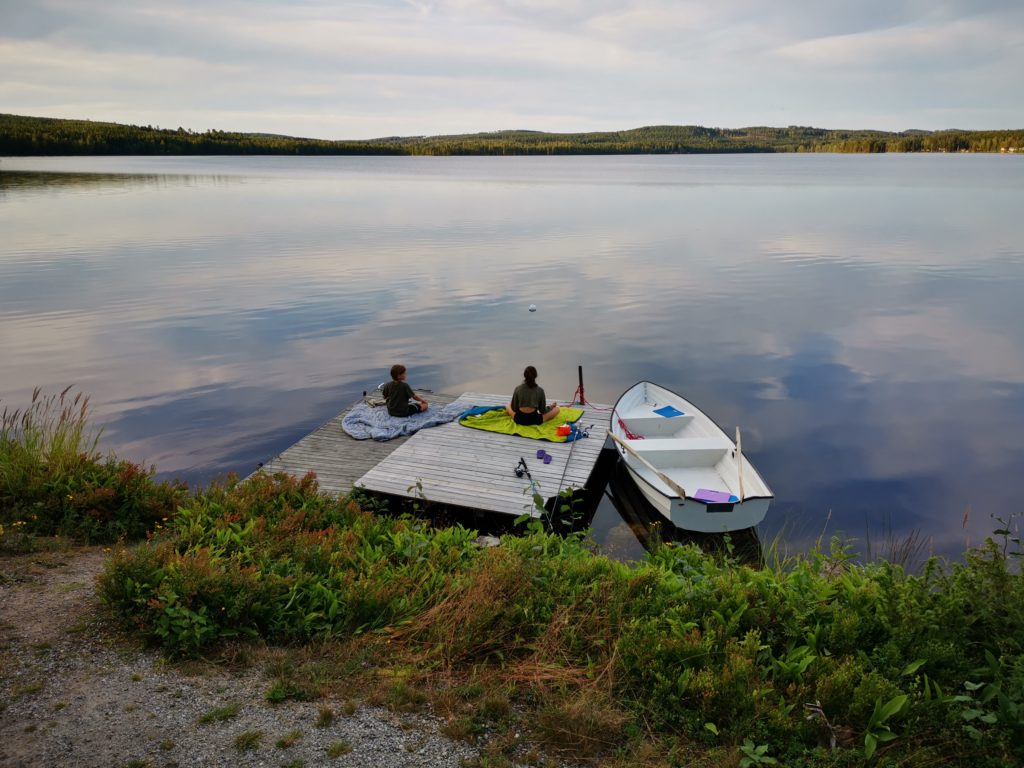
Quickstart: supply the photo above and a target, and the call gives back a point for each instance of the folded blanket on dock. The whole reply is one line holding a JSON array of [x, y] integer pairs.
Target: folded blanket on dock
[[495, 419], [366, 422]]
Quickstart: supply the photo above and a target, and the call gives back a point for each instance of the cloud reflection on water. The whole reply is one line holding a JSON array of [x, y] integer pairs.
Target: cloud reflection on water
[[865, 348]]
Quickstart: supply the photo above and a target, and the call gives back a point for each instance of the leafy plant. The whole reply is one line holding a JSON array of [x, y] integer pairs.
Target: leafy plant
[[878, 730], [687, 645], [754, 754], [1009, 532], [794, 663]]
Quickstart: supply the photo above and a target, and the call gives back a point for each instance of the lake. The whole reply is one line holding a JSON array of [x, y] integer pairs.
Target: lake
[[856, 315]]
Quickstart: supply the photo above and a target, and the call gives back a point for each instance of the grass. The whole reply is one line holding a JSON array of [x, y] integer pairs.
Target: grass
[[324, 718], [248, 740], [283, 690], [55, 482], [221, 714], [26, 689], [339, 748], [460, 729], [685, 658], [594, 659], [288, 739]]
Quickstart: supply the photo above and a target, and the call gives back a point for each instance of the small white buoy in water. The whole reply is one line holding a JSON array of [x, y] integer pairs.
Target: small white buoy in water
[[533, 307]]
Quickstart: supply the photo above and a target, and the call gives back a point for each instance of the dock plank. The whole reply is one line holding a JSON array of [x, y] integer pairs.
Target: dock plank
[[448, 464]]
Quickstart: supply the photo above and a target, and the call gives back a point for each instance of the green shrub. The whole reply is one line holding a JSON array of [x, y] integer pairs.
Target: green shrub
[[274, 558], [920, 669], [53, 481]]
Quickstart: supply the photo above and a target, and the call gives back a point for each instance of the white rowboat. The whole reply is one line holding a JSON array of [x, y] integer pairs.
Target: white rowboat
[[684, 464]]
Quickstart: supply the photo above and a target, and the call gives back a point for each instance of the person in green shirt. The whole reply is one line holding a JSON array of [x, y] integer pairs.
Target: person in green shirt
[[528, 406], [399, 394]]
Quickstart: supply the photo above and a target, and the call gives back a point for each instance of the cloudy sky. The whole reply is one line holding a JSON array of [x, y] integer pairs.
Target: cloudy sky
[[340, 69]]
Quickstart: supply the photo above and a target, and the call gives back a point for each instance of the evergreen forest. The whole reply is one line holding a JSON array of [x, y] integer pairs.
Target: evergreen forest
[[25, 136]]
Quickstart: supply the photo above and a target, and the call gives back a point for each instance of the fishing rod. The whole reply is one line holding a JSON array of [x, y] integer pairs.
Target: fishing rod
[[521, 470]]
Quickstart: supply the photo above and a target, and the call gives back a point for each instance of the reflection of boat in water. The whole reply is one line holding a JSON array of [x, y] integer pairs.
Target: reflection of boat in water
[[684, 464], [651, 529]]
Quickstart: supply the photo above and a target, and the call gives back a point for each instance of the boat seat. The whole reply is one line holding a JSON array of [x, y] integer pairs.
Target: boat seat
[[665, 453], [644, 421]]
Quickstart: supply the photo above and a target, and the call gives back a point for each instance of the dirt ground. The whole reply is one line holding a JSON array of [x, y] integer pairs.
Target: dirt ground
[[75, 692]]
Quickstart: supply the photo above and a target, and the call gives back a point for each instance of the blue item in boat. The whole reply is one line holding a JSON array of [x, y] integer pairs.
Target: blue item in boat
[[668, 411]]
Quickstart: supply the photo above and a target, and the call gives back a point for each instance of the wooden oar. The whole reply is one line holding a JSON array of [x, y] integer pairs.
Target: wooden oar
[[739, 459], [678, 489]]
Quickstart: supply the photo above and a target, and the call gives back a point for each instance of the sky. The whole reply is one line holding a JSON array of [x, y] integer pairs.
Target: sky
[[354, 70]]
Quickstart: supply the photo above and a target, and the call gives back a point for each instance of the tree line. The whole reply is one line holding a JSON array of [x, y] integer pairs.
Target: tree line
[[21, 135]]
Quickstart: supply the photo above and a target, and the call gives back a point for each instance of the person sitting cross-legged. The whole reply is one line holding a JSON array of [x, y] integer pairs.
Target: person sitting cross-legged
[[400, 395], [528, 406]]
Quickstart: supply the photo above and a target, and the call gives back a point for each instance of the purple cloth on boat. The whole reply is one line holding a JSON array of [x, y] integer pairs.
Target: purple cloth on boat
[[714, 497]]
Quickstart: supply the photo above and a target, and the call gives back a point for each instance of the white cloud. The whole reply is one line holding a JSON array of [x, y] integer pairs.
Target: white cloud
[[941, 46], [359, 70]]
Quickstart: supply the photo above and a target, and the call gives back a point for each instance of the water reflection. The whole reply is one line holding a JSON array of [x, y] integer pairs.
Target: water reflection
[[856, 316], [627, 526], [26, 182]]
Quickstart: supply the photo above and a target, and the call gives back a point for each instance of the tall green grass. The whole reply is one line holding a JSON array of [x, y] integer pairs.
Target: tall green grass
[[819, 659], [712, 659], [54, 480]]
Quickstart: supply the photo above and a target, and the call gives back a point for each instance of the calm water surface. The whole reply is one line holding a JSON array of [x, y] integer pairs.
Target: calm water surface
[[857, 316]]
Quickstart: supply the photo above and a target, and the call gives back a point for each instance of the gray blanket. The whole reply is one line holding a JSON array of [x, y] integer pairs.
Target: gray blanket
[[364, 421]]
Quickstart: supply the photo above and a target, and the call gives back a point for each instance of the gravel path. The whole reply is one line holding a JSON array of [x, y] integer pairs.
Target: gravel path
[[72, 695]]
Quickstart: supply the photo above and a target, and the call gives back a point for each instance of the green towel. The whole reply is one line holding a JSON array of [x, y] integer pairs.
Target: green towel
[[500, 421]]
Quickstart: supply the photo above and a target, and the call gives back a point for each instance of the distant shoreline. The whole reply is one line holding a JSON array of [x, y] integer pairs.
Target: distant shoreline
[[22, 136]]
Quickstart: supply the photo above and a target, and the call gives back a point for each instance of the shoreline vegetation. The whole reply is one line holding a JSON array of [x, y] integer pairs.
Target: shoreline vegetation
[[687, 657], [32, 136]]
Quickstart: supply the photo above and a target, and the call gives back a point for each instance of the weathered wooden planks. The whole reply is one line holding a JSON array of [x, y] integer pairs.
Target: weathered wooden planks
[[449, 464]]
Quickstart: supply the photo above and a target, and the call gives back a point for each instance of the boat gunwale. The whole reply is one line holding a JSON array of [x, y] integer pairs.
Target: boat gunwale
[[615, 427]]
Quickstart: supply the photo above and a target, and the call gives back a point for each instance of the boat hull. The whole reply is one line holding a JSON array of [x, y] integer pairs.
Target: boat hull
[[692, 515], [684, 464]]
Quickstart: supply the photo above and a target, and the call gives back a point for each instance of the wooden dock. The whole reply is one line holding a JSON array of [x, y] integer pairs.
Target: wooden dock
[[449, 464]]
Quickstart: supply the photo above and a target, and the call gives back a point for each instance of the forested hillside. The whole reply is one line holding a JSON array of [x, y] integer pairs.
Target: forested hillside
[[49, 136]]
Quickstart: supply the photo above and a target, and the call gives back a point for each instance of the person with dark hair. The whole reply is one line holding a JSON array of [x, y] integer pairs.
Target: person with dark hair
[[528, 407], [399, 394]]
